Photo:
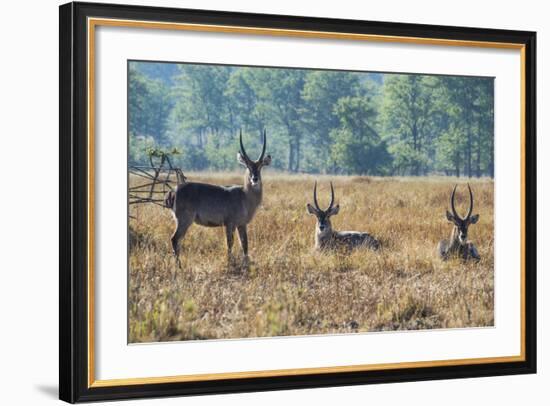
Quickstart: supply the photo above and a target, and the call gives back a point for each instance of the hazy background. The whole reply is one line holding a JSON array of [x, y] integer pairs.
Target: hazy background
[[317, 121]]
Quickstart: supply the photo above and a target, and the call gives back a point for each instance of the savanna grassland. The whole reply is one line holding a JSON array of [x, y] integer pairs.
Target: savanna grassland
[[289, 289]]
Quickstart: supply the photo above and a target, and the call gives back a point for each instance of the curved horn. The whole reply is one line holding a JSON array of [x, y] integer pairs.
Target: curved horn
[[331, 197], [263, 149], [243, 152], [471, 209], [315, 197], [453, 202]]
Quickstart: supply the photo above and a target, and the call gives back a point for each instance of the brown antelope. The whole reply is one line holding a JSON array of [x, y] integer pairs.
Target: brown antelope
[[326, 237], [232, 207], [458, 245]]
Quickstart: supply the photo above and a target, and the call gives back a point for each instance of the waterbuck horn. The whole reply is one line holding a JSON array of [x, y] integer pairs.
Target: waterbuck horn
[[263, 149], [315, 197], [453, 203], [317, 203], [471, 209], [243, 151], [331, 197]]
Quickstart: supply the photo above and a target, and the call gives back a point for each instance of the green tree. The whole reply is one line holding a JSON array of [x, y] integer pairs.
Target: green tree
[[149, 105], [322, 90], [279, 96], [450, 148], [317, 121], [201, 108], [357, 147], [468, 141], [407, 113], [484, 118], [243, 89]]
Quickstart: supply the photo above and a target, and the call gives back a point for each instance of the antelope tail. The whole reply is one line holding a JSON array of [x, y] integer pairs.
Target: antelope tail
[[169, 199]]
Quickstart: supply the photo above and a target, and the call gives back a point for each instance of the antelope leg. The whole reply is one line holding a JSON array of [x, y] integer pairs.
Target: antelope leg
[[182, 225], [243, 237], [229, 233]]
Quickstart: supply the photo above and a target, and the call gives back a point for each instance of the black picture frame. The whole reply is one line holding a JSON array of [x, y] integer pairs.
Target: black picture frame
[[73, 256]]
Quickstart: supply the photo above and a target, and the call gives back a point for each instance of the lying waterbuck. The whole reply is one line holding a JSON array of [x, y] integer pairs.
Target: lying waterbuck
[[458, 245], [326, 237], [232, 207]]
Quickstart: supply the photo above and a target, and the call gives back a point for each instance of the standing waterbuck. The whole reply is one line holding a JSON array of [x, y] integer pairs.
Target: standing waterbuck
[[232, 207], [458, 245], [326, 237]]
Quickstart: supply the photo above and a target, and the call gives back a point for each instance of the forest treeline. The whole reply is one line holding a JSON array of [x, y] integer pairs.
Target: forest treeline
[[317, 121]]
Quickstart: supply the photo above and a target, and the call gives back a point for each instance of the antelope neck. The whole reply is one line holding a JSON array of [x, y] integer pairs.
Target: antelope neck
[[454, 240], [253, 194]]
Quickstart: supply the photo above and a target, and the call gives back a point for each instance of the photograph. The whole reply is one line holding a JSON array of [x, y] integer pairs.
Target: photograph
[[254, 201], [271, 201]]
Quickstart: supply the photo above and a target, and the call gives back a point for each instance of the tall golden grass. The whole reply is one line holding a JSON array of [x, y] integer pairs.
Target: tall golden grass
[[290, 289]]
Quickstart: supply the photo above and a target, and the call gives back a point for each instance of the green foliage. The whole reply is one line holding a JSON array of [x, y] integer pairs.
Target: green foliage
[[317, 121], [322, 90], [243, 95], [220, 156], [193, 157], [356, 146], [449, 149], [466, 144], [200, 105], [138, 147], [149, 105], [352, 155], [157, 152], [407, 112]]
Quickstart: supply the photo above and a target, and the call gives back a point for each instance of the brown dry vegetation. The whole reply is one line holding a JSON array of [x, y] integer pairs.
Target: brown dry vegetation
[[289, 289]]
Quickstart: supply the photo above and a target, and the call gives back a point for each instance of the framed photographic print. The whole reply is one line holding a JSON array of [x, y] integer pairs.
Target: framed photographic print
[[257, 202]]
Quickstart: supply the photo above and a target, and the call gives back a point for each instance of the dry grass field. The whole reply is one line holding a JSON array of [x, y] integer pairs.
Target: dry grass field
[[289, 289]]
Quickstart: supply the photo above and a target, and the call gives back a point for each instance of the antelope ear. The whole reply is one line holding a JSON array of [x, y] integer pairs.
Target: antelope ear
[[267, 161], [450, 216], [334, 210], [241, 159], [311, 209], [474, 219]]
